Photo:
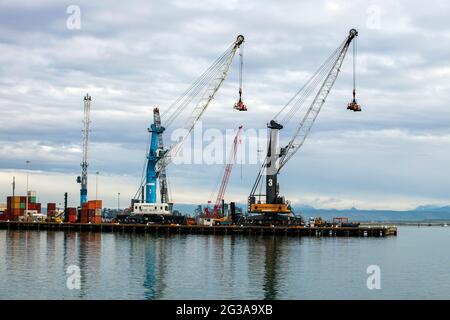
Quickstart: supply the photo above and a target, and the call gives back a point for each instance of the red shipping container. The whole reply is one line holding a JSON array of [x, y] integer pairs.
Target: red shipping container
[[98, 204], [84, 215], [4, 216], [16, 213], [72, 218], [51, 206], [91, 205], [97, 219]]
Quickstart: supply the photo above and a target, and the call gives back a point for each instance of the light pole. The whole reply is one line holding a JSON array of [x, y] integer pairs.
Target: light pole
[[28, 171], [118, 201], [96, 185]]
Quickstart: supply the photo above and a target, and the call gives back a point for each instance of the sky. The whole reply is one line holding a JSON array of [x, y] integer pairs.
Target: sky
[[135, 55]]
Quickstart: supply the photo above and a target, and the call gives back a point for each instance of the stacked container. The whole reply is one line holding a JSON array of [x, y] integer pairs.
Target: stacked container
[[51, 209], [31, 196], [4, 216], [72, 215], [91, 211], [84, 213], [15, 208]]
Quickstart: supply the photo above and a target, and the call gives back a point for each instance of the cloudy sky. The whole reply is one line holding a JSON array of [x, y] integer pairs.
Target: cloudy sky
[[132, 56]]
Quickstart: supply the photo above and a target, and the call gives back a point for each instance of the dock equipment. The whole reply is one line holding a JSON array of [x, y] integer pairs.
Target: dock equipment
[[226, 176], [250, 230], [84, 164], [276, 158], [194, 100]]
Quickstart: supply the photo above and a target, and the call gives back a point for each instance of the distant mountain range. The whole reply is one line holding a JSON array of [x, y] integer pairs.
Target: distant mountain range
[[421, 213]]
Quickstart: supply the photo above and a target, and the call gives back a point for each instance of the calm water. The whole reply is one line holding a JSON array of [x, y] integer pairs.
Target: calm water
[[416, 264]]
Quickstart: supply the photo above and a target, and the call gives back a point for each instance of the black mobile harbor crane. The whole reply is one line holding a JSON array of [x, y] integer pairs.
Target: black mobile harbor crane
[[274, 207]]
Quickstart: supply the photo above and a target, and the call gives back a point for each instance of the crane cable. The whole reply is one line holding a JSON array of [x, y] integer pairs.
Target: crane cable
[[296, 103], [181, 103], [301, 95], [241, 66], [177, 107], [355, 52]]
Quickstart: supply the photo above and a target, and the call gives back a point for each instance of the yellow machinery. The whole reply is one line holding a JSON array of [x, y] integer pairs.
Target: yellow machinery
[[269, 208]]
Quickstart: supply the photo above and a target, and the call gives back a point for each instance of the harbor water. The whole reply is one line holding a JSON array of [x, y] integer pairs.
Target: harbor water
[[41, 264]]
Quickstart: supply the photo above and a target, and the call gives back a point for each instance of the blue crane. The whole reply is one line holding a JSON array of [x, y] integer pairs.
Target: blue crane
[[199, 94]]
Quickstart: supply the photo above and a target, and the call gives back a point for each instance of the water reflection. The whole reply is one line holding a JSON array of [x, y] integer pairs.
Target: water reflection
[[217, 265], [271, 257], [155, 267], [134, 266], [88, 252]]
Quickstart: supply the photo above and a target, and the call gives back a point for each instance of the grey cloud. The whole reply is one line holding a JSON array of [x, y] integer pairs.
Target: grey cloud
[[136, 55]]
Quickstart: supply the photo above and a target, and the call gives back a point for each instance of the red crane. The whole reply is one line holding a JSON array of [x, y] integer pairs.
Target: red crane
[[226, 177]]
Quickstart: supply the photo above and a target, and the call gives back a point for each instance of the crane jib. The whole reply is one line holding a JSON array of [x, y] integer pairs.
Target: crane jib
[[324, 79], [202, 91]]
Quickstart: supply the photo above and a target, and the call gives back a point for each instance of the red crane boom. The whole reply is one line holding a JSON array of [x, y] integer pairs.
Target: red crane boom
[[226, 176]]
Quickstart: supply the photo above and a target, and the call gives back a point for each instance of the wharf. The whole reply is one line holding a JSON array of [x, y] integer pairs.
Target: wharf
[[361, 231]]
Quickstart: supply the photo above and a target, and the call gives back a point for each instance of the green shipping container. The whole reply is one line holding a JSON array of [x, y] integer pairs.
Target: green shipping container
[[22, 205], [33, 199]]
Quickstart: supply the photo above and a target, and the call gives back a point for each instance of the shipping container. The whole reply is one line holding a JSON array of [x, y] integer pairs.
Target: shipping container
[[95, 204], [51, 213], [72, 218], [84, 215], [96, 220], [98, 204]]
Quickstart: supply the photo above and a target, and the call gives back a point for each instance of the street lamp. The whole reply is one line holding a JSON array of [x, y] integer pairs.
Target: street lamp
[[28, 172], [118, 201], [96, 185]]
